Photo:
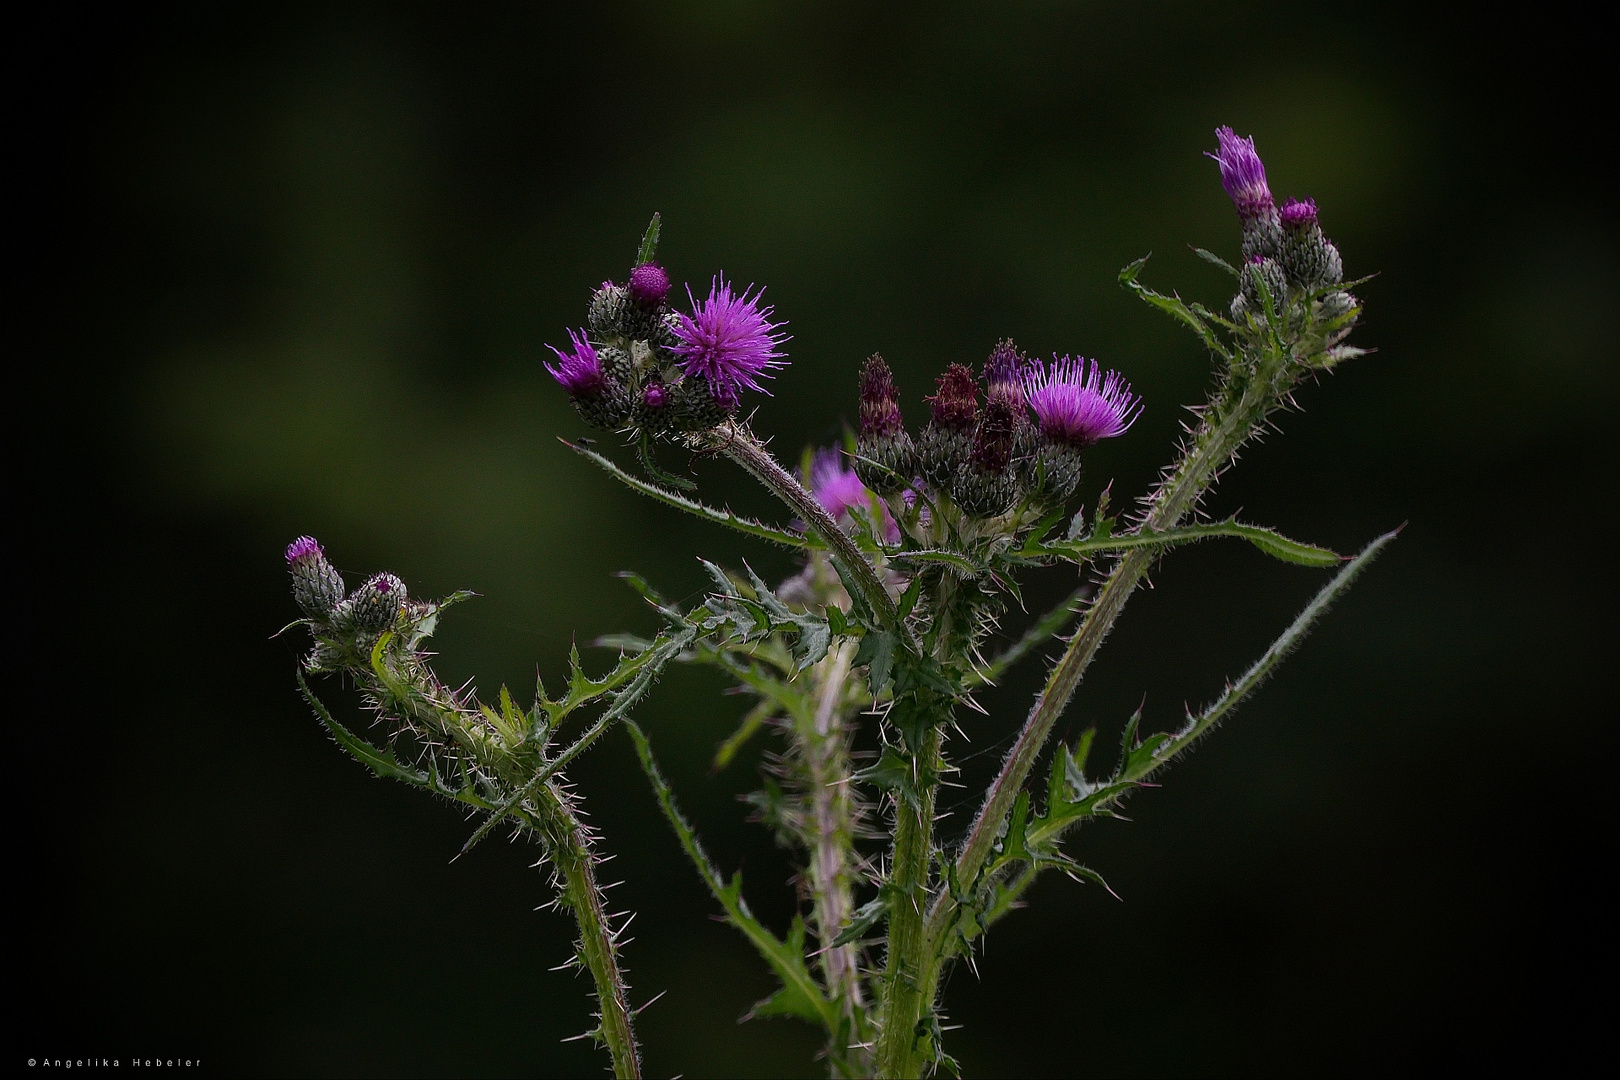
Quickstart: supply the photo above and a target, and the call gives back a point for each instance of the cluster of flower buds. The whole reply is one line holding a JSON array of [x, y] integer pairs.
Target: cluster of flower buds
[[360, 617], [1285, 252], [641, 366], [1022, 445]]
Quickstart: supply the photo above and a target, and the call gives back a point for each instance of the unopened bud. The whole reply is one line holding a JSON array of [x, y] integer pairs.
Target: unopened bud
[[883, 439], [649, 284], [1309, 258], [317, 586], [376, 605]]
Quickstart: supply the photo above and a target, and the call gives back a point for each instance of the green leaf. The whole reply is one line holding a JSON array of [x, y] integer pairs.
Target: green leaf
[[649, 241], [1215, 260], [1269, 541], [1172, 306], [877, 651], [865, 917], [961, 564], [786, 959], [891, 772], [752, 722], [747, 526]]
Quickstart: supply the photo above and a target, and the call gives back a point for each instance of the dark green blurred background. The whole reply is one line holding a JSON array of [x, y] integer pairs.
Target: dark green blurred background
[[290, 269]]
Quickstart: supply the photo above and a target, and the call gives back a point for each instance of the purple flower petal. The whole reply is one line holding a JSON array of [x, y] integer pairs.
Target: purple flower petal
[[1078, 404], [730, 340]]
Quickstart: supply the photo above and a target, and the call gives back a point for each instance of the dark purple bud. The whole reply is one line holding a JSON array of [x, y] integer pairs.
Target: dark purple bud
[[303, 550], [880, 412], [993, 439], [956, 405], [1006, 366], [1243, 175], [1298, 214], [649, 284], [580, 369], [655, 395]]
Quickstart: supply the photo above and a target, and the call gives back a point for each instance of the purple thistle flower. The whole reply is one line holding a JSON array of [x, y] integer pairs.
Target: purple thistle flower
[[1243, 175], [1078, 405], [655, 395], [304, 549], [579, 371], [649, 284], [837, 487], [730, 340], [1298, 214]]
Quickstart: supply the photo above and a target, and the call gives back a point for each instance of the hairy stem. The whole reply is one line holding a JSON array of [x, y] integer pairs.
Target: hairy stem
[[738, 443], [571, 854], [825, 749], [1227, 426], [908, 970]]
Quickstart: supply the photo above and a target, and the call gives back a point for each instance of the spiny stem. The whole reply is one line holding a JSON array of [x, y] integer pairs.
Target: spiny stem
[[832, 819], [571, 854], [1224, 431], [737, 442], [908, 970]]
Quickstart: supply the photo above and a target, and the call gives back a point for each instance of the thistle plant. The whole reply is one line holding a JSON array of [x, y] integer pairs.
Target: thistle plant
[[911, 545]]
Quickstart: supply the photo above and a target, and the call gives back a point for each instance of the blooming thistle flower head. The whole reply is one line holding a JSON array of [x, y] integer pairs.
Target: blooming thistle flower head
[[880, 411], [956, 405], [580, 369], [1298, 214], [305, 549], [649, 284], [1243, 175], [1078, 404], [730, 340], [837, 487]]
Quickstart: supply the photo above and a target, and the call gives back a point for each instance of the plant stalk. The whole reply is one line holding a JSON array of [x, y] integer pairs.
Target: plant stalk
[[908, 971], [1224, 431]]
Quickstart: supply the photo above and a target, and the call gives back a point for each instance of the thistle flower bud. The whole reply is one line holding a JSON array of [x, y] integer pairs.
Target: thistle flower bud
[[1243, 175], [376, 605], [987, 486], [694, 406], [317, 586], [1309, 258], [609, 306], [652, 410], [1336, 305], [1269, 272], [883, 438], [649, 284], [1006, 368], [947, 440]]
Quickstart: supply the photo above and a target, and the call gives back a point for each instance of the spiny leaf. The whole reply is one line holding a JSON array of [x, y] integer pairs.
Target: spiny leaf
[[877, 651], [692, 506], [961, 564], [1172, 306], [865, 917], [1216, 260], [1269, 541], [786, 962], [649, 241], [890, 772]]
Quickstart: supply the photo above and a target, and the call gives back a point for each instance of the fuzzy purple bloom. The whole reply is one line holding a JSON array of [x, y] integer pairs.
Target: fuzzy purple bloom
[[1243, 175], [730, 340], [655, 395], [837, 487], [1298, 214], [1080, 405], [649, 284], [304, 549], [580, 370]]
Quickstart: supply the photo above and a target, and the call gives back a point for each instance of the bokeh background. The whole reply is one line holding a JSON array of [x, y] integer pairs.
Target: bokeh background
[[288, 269]]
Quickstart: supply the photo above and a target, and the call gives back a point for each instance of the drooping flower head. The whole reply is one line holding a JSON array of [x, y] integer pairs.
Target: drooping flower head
[[730, 340], [1298, 214], [956, 405], [880, 411], [836, 487], [1243, 175], [580, 369], [1076, 403], [649, 284]]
